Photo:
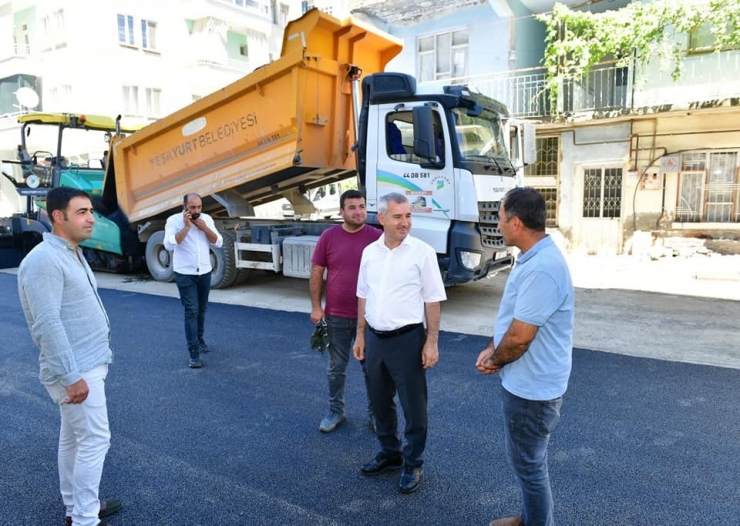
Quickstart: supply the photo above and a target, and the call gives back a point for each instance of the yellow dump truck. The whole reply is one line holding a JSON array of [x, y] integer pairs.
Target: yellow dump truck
[[323, 112]]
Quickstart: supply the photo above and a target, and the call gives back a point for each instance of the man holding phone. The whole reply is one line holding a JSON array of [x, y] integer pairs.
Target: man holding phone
[[189, 236]]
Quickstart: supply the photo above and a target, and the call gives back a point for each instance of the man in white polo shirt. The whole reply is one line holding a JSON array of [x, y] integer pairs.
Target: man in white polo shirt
[[398, 286]]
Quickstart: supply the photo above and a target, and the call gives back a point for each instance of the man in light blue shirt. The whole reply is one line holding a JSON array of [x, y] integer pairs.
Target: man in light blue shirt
[[532, 349], [70, 327]]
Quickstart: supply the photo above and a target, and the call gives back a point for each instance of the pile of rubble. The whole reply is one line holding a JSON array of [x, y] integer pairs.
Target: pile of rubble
[[644, 244]]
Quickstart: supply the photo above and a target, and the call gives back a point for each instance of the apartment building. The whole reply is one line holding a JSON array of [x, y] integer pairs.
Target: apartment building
[[135, 58]]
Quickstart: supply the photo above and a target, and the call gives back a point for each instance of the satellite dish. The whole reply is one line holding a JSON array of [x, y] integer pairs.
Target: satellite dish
[[27, 97]]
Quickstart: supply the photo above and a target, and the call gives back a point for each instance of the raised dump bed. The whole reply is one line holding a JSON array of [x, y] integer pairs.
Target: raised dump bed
[[287, 125]]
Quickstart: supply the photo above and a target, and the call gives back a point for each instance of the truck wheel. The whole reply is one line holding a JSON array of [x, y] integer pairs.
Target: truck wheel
[[223, 263], [158, 258], [242, 276]]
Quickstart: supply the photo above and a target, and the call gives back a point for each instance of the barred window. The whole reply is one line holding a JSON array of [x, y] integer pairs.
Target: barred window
[[602, 192], [709, 188], [548, 158], [543, 175]]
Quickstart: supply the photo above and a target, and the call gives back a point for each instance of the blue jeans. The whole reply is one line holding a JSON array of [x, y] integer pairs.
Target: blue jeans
[[194, 292], [341, 335], [528, 425]]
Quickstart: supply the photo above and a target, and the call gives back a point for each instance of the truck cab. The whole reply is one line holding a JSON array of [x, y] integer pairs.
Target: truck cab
[[448, 153]]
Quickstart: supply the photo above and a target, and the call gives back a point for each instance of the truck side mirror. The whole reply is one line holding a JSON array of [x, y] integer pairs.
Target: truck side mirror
[[423, 132], [522, 143]]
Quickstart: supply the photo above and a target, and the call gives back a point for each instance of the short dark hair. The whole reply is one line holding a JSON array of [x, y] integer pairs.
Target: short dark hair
[[528, 205], [350, 194], [58, 199]]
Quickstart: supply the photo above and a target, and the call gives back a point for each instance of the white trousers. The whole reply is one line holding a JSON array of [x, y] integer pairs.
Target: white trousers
[[84, 440]]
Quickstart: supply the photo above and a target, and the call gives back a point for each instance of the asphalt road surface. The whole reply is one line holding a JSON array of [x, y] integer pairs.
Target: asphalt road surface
[[641, 441]]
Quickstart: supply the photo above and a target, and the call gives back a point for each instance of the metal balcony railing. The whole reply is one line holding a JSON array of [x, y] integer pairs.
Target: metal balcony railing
[[21, 50], [523, 91], [609, 88], [261, 8], [240, 66]]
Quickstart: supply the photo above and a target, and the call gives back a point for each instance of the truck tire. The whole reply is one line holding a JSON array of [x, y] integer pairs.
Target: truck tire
[[158, 258], [223, 262], [242, 276]]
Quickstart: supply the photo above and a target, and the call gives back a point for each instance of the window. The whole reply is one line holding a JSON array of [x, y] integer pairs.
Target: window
[[54, 28], [443, 56], [709, 188], [148, 34], [399, 138], [153, 96], [284, 11], [131, 100], [702, 40], [61, 95], [22, 41], [602, 192], [551, 205], [145, 36], [244, 50], [544, 173], [548, 158], [126, 30]]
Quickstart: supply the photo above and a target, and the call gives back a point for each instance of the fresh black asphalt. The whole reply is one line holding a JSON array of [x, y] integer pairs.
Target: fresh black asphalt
[[237, 443]]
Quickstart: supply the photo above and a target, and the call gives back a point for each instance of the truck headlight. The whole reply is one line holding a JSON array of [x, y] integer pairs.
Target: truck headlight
[[469, 260]]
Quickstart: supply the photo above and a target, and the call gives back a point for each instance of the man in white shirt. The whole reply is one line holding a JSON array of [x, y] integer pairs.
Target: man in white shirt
[[189, 236], [398, 286]]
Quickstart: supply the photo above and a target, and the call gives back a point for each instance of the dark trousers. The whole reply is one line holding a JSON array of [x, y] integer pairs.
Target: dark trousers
[[194, 292], [394, 366]]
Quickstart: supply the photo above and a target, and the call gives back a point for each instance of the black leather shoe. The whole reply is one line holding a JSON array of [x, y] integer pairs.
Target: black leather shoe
[[410, 479], [107, 507], [382, 463]]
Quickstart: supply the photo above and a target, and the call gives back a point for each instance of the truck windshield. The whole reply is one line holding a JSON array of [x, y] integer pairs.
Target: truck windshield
[[481, 138]]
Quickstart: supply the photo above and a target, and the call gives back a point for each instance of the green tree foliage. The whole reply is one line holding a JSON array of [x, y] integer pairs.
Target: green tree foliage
[[576, 41]]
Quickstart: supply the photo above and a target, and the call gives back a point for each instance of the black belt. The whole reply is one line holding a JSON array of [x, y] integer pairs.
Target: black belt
[[394, 332]]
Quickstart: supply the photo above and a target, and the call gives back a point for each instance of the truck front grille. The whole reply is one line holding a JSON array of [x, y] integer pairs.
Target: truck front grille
[[490, 235]]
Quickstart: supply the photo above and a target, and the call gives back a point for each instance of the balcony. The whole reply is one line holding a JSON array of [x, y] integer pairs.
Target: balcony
[[609, 90], [206, 75], [241, 67], [241, 14], [18, 59]]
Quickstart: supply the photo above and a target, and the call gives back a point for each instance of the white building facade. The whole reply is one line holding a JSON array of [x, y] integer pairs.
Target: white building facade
[[136, 58]]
